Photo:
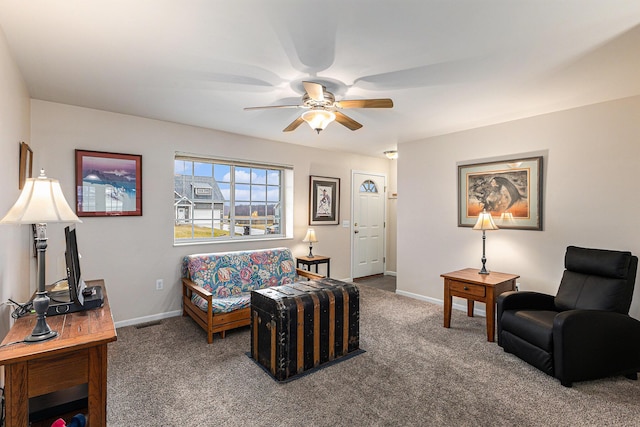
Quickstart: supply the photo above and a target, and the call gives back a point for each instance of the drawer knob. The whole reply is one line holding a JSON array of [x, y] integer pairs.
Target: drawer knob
[[465, 288]]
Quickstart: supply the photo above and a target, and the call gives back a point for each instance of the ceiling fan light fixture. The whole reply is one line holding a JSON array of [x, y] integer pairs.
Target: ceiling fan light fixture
[[318, 119], [391, 154]]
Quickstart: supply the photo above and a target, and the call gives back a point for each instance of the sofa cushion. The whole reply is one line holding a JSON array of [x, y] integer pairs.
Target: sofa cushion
[[223, 305], [231, 276]]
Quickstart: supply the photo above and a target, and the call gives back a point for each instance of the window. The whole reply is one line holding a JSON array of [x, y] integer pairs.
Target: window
[[368, 186], [223, 200]]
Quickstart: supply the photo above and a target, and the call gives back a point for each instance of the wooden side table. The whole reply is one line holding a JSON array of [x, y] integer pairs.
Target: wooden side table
[[78, 355], [314, 260], [467, 283]]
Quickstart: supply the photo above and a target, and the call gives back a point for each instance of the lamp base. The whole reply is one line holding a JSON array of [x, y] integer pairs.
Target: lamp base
[[42, 337], [483, 271]]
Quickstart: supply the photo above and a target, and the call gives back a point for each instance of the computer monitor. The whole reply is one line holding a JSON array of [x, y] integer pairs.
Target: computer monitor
[[74, 277]]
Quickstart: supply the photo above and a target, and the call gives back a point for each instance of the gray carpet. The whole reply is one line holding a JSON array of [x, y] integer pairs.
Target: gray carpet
[[414, 373]]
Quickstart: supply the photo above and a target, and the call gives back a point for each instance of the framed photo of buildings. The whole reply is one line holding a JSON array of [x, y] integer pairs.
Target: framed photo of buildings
[[324, 200], [511, 190], [108, 184]]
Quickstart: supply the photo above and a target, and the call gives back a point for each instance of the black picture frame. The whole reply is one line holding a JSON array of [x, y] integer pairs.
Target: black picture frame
[[324, 200]]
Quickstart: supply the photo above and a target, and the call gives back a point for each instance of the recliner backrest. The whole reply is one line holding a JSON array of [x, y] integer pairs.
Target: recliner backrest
[[597, 279]]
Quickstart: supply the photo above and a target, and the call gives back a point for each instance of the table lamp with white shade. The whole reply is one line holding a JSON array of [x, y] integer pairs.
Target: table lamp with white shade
[[485, 222], [311, 238], [40, 202]]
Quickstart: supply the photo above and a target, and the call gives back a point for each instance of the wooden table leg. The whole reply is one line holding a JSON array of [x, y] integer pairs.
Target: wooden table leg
[[491, 315], [16, 395], [447, 304], [470, 307], [97, 386]]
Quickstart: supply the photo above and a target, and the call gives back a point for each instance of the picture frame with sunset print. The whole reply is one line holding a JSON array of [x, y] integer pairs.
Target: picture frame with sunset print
[[108, 184], [511, 190]]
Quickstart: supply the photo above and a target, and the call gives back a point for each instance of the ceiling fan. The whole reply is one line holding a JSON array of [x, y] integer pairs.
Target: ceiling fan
[[322, 108]]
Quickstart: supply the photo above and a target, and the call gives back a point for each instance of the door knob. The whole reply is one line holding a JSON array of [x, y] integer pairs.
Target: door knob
[[356, 231]]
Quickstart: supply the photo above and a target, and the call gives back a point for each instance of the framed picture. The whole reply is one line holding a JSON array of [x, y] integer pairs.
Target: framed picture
[[510, 190], [25, 169], [324, 200], [108, 184]]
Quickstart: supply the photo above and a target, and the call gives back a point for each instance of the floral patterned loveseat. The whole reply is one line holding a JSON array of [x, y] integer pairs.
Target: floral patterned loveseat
[[216, 287]]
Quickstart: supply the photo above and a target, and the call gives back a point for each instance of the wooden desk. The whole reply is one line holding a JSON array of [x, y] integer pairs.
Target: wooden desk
[[314, 260], [78, 355], [485, 288]]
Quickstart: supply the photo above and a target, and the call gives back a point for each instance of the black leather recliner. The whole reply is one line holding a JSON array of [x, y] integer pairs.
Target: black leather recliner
[[585, 331]]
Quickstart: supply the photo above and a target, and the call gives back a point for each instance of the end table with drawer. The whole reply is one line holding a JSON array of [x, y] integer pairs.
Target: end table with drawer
[[469, 284]]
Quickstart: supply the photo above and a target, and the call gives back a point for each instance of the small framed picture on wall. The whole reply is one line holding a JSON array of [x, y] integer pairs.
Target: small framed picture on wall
[[324, 200], [25, 169]]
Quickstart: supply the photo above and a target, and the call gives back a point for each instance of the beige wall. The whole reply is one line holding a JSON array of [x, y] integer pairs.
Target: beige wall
[[591, 197], [130, 253], [392, 224], [15, 275]]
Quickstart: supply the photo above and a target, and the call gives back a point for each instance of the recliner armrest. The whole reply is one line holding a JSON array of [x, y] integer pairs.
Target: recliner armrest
[[525, 300], [591, 344]]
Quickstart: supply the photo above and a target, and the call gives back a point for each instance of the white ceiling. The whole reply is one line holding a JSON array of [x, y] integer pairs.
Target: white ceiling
[[448, 65]]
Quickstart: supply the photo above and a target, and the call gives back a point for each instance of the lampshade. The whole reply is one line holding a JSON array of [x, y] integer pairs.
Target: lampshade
[[506, 218], [41, 201], [485, 222], [391, 154], [318, 119], [310, 236]]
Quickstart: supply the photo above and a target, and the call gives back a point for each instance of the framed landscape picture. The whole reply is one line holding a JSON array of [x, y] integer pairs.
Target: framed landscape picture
[[324, 200], [511, 190], [108, 184]]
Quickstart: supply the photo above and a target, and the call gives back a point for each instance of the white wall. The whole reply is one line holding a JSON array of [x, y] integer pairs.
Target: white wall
[[590, 198], [130, 253], [15, 275]]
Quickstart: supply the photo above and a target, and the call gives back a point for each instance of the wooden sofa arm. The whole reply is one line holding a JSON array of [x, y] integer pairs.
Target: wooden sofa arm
[[308, 274], [186, 283]]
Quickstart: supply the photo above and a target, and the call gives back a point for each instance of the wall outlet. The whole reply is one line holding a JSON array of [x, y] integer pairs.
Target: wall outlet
[[159, 284], [517, 286]]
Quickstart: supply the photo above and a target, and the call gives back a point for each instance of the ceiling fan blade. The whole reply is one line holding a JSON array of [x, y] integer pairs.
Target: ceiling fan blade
[[294, 125], [314, 90], [347, 121], [271, 106], [365, 103]]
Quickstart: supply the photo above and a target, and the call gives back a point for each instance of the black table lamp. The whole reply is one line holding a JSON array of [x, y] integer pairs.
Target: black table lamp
[[485, 222], [40, 202]]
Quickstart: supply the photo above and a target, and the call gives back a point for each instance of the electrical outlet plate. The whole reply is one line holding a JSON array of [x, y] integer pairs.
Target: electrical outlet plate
[[159, 285]]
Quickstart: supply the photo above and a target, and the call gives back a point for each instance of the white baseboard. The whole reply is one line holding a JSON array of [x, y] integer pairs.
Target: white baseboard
[[390, 273], [461, 307], [147, 319]]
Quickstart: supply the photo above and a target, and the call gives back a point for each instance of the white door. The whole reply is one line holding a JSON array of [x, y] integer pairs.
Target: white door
[[368, 224]]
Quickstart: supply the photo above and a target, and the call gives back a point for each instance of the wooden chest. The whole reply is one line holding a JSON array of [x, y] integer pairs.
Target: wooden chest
[[298, 327]]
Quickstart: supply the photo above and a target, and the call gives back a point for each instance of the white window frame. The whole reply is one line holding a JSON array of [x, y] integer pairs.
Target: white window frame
[[286, 199]]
